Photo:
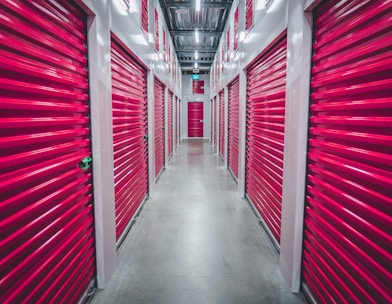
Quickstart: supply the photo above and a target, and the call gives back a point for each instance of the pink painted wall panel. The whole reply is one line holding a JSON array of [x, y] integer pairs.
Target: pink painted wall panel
[[197, 86]]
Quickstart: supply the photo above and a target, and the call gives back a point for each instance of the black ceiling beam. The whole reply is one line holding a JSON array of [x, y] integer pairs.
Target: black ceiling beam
[[165, 13], [182, 62], [203, 4], [190, 68], [190, 58], [179, 51], [223, 19], [192, 32], [197, 48]]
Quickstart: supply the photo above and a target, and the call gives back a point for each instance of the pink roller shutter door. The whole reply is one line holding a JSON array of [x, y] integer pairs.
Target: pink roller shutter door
[[348, 223], [170, 123], [175, 122], [159, 120], [233, 127], [129, 98], [215, 126], [222, 123], [46, 209], [265, 134]]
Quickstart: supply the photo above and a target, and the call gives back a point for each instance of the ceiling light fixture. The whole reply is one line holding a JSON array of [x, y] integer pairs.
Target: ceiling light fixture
[[196, 66], [197, 38], [196, 55], [181, 10], [197, 5]]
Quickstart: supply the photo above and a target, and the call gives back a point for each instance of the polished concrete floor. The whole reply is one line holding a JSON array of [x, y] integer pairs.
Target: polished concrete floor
[[196, 241]]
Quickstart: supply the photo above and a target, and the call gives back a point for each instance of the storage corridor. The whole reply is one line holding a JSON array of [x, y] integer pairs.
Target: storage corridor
[[196, 241]]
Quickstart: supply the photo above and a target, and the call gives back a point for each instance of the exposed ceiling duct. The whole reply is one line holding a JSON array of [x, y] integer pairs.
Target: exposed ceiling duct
[[182, 20]]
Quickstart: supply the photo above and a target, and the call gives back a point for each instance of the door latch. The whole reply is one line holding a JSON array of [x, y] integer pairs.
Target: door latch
[[85, 163]]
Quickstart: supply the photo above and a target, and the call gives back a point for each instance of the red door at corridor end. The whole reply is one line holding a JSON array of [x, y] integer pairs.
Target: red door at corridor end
[[195, 119]]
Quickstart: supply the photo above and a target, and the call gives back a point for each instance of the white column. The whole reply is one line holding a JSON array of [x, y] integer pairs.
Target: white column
[[299, 37], [102, 142]]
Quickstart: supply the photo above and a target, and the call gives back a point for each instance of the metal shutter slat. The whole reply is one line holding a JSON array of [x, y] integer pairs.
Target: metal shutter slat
[[215, 126], [170, 123], [129, 104], [346, 252], [46, 207], [175, 121], [233, 126], [265, 134], [248, 15], [222, 124], [159, 119], [195, 119], [144, 16]]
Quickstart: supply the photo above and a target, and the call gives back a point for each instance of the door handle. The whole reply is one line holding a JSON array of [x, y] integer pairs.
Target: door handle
[[85, 163], [201, 120]]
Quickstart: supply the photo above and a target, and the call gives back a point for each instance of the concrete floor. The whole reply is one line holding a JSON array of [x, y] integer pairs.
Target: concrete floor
[[196, 241]]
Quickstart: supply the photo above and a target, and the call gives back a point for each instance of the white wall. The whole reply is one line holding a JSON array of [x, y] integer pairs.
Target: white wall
[[272, 18], [279, 15], [107, 18], [187, 96]]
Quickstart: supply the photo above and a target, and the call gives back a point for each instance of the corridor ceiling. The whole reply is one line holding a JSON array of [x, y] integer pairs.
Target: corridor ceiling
[[182, 20]]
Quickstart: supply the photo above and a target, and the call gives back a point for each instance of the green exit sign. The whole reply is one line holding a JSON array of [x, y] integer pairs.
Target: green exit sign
[[195, 76]]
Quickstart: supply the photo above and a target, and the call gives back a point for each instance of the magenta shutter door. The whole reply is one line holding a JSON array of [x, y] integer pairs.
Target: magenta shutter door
[[170, 123], [215, 126], [179, 119], [195, 119], [212, 120], [248, 15], [46, 209], [216, 121], [222, 123], [144, 16], [175, 122], [129, 97], [265, 135], [348, 220], [233, 127], [159, 120]]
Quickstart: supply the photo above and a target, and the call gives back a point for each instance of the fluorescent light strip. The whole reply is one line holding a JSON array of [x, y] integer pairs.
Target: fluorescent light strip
[[197, 39], [196, 55], [196, 65], [197, 5]]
